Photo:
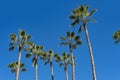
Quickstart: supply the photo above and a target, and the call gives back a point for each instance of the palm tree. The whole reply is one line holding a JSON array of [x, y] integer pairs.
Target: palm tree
[[13, 67], [35, 51], [72, 41], [48, 58], [20, 43], [116, 36], [82, 15], [64, 61]]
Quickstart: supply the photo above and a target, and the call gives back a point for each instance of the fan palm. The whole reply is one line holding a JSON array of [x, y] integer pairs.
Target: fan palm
[[64, 61], [72, 41], [21, 42], [35, 51], [116, 36], [83, 16], [48, 58]]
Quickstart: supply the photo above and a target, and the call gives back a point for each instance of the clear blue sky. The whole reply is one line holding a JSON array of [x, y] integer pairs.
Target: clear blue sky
[[46, 20]]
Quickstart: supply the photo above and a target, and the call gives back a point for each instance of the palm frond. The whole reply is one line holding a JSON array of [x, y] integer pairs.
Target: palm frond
[[28, 36], [90, 20], [22, 33], [28, 43], [63, 38], [13, 37], [72, 34], [61, 64], [117, 41], [77, 38], [74, 46], [72, 16], [116, 36], [23, 69], [91, 13], [28, 55], [68, 34], [80, 29], [47, 61], [11, 48], [13, 70], [79, 42], [64, 43], [75, 21]]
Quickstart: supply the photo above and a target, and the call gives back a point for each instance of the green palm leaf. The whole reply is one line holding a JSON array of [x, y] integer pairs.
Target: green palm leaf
[[23, 69], [64, 43], [91, 13], [80, 29], [75, 21], [11, 48], [22, 33], [13, 37]]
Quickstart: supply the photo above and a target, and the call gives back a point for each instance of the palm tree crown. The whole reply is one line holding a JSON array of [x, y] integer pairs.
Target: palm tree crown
[[13, 67], [116, 36], [35, 51], [64, 60], [70, 39], [82, 15], [20, 40]]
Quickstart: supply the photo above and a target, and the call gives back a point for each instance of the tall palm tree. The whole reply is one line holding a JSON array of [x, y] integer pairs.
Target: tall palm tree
[[116, 36], [13, 67], [72, 41], [35, 51], [82, 15], [20, 42], [48, 58], [64, 61]]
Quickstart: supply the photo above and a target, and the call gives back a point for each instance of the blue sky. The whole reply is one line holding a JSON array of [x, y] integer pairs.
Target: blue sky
[[46, 21]]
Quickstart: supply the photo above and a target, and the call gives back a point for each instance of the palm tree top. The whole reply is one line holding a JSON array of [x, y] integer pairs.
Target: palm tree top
[[64, 58], [82, 13], [13, 67], [70, 38], [47, 56], [18, 40], [22, 35], [116, 36]]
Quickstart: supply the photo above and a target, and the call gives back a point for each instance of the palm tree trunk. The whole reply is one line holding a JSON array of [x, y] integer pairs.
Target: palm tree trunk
[[73, 66], [36, 71], [90, 50], [52, 72], [66, 71], [19, 58]]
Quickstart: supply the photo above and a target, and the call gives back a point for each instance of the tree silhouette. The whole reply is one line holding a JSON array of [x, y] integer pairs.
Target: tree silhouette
[[72, 41], [20, 42], [48, 58], [64, 61], [83, 16], [35, 52]]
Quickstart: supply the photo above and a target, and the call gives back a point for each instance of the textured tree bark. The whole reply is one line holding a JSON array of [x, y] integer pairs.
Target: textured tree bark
[[66, 71], [36, 70], [19, 58], [90, 51], [52, 72], [73, 66]]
